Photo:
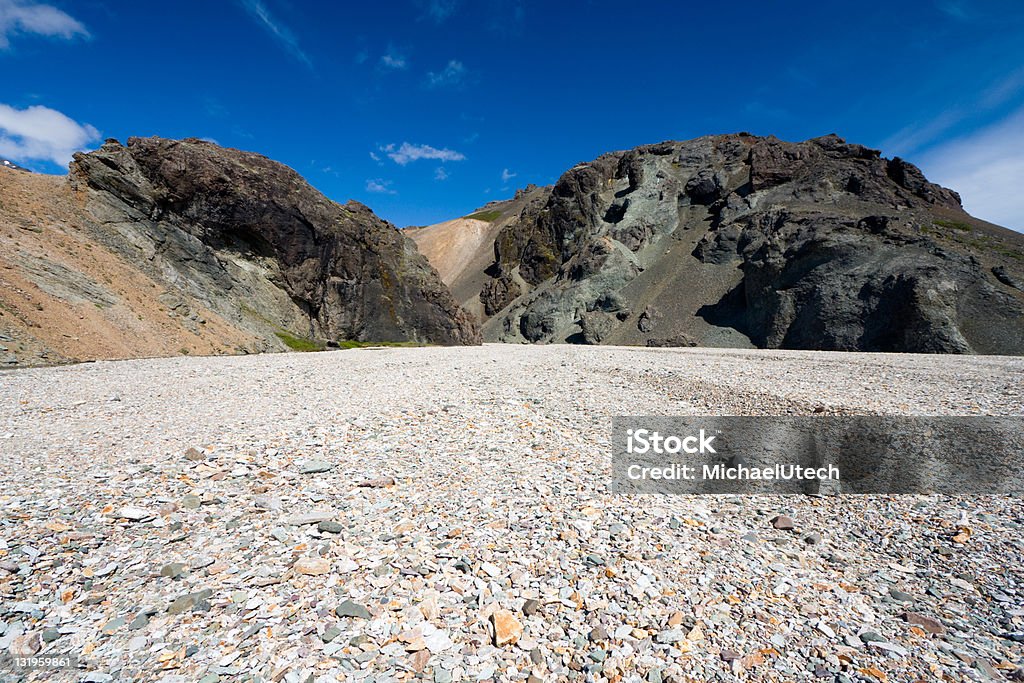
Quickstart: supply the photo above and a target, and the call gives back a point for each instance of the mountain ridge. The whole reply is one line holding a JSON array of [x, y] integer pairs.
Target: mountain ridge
[[740, 240], [163, 247]]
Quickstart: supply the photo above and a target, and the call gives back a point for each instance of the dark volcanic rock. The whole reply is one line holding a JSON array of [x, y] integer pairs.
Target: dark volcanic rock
[[736, 240], [255, 242]]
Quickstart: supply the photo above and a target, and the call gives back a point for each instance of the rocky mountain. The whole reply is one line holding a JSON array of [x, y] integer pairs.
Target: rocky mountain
[[745, 241], [163, 247]]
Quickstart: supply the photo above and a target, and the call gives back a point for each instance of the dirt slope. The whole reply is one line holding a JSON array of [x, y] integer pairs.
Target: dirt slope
[[64, 296]]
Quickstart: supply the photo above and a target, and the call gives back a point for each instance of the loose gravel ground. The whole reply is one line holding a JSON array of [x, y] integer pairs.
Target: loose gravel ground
[[443, 515]]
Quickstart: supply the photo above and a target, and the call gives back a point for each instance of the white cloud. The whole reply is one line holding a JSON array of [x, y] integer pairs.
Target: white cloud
[[405, 153], [393, 59], [452, 74], [919, 134], [42, 134], [986, 168], [439, 10], [954, 9], [440, 173], [27, 16], [282, 33], [380, 186], [507, 175]]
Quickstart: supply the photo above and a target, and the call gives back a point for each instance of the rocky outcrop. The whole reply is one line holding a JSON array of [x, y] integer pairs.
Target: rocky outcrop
[[248, 238], [738, 240]]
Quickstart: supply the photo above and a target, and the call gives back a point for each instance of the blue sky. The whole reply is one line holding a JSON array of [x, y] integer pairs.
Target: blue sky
[[427, 109]]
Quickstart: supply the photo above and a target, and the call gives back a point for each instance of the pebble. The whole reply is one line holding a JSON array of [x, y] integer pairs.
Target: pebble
[[113, 625], [928, 624], [312, 566], [315, 467], [172, 570], [134, 514], [194, 454], [492, 502], [783, 523], [314, 517], [507, 629], [348, 608], [189, 601], [382, 482]]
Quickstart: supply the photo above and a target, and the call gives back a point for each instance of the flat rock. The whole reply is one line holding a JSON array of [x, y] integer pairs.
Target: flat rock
[[135, 514], [314, 517], [315, 467], [928, 624], [783, 522], [184, 603], [382, 482], [352, 609], [312, 566], [507, 628]]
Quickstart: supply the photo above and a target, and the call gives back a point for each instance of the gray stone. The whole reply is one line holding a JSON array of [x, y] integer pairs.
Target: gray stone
[[139, 622], [172, 570], [112, 626], [314, 517], [351, 609], [315, 467], [184, 603]]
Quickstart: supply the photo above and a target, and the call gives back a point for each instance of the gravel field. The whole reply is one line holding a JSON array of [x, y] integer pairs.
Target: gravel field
[[441, 514]]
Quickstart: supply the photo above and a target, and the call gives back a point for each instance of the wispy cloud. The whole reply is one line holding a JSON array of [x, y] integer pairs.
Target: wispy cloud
[[954, 9], [42, 134], [452, 74], [440, 173], [380, 186], [987, 169], [394, 59], [284, 35], [438, 10], [918, 135], [28, 17], [507, 175], [405, 153], [507, 17]]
